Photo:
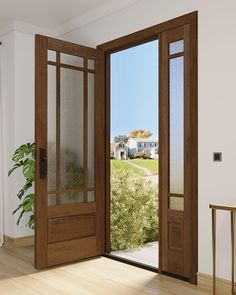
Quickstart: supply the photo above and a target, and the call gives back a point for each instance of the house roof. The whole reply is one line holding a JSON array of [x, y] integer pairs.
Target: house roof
[[115, 144]]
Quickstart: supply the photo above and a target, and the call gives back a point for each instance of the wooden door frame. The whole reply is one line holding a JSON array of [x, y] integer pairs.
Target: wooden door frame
[[131, 40]]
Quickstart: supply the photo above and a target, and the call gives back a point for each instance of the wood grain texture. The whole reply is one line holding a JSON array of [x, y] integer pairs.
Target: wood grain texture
[[40, 142], [107, 151], [100, 167], [148, 34], [191, 44], [227, 207], [72, 250], [98, 276], [71, 227], [71, 209], [71, 48]]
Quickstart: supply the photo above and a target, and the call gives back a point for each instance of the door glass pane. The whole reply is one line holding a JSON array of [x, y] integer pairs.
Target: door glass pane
[[90, 130], [176, 203], [51, 200], [52, 55], [51, 128], [90, 197], [72, 60], [71, 129], [91, 64], [71, 198], [176, 148], [176, 47]]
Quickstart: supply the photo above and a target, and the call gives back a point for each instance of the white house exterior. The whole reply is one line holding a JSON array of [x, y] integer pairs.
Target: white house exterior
[[144, 145], [154, 153], [119, 150], [123, 151]]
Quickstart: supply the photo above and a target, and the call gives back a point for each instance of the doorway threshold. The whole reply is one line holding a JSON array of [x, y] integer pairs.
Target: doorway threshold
[[131, 262]]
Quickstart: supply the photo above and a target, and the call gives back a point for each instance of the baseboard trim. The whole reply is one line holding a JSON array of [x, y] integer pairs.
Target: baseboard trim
[[223, 287], [19, 242]]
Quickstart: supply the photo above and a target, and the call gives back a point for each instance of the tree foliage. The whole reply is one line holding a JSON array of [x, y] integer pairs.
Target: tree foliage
[[120, 138], [140, 133]]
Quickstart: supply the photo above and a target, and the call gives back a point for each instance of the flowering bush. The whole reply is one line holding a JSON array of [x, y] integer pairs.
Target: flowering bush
[[134, 205]]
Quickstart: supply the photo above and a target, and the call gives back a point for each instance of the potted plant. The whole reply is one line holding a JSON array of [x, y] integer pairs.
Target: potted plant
[[24, 158]]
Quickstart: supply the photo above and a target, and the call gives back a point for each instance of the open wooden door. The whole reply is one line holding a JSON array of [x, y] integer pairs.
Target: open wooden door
[[69, 143], [178, 156]]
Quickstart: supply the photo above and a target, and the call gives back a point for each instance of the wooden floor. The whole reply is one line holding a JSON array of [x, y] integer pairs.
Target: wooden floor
[[98, 276]]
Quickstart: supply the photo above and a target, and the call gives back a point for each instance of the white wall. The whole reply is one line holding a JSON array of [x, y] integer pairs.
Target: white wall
[[217, 101], [8, 112], [17, 69], [24, 107]]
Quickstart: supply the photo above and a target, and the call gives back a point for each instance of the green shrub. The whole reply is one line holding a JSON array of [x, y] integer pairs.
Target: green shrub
[[134, 205], [138, 155]]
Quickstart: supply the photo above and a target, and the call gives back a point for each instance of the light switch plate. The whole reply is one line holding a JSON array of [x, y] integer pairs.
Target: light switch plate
[[217, 156]]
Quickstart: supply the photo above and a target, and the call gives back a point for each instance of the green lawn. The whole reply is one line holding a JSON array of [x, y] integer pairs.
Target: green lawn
[[147, 163], [118, 164]]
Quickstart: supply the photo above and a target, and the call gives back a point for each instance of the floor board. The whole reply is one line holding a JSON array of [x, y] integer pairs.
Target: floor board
[[98, 276]]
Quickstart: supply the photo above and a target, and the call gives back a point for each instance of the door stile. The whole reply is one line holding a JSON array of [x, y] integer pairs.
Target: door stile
[[164, 141], [40, 143], [100, 154], [191, 154]]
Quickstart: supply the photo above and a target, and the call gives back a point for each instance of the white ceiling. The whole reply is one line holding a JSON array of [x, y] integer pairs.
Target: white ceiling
[[45, 13]]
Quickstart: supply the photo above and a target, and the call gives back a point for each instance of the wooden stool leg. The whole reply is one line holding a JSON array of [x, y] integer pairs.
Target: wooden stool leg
[[214, 250], [232, 249]]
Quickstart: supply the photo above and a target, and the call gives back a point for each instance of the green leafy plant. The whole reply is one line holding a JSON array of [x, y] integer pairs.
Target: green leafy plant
[[134, 205], [24, 159]]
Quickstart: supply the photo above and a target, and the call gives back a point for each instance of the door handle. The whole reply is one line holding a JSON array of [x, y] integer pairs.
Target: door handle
[[43, 163]]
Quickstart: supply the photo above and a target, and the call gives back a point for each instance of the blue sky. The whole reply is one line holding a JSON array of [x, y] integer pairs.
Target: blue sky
[[134, 89]]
